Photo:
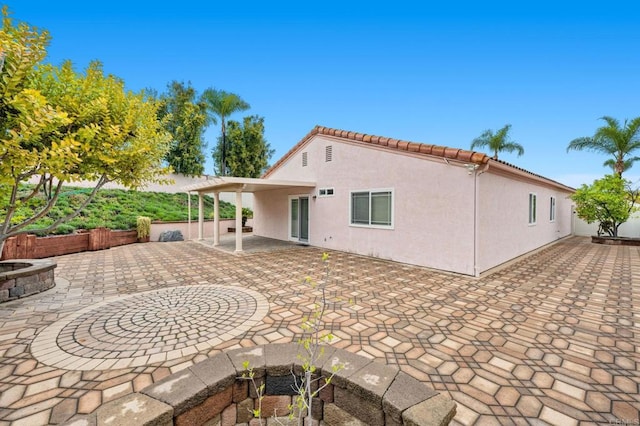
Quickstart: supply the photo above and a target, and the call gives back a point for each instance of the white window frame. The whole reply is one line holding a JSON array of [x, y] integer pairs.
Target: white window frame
[[326, 192], [533, 208], [552, 209], [369, 225]]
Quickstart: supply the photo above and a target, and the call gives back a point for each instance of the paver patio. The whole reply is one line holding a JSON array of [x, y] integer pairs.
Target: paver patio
[[550, 339]]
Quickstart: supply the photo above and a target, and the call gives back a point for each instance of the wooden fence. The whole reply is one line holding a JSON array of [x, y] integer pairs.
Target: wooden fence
[[27, 246]]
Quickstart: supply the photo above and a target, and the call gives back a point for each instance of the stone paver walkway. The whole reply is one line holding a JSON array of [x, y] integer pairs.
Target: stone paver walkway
[[551, 339]]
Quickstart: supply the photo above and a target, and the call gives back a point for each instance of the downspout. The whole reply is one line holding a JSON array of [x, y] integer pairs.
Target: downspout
[[476, 220]]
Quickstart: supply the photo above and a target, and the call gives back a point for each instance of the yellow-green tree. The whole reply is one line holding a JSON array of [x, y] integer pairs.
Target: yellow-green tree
[[59, 126]]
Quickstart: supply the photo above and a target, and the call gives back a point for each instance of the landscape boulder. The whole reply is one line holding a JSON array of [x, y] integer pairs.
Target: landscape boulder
[[171, 236]]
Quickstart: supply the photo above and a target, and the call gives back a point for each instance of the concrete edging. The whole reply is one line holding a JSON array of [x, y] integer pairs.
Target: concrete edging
[[212, 390]]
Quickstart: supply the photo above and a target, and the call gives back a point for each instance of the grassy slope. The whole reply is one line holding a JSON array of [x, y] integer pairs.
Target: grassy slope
[[118, 209]]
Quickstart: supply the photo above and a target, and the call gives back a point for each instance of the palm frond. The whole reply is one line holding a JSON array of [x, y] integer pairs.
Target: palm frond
[[513, 147], [497, 142], [483, 140], [579, 144], [612, 122]]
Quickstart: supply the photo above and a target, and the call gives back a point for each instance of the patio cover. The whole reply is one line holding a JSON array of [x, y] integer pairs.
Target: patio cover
[[218, 184]]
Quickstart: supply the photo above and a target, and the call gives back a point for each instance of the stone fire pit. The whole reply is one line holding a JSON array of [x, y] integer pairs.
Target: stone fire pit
[[363, 393], [24, 277]]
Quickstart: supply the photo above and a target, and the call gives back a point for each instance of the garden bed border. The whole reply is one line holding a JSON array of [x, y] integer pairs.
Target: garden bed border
[[615, 241]]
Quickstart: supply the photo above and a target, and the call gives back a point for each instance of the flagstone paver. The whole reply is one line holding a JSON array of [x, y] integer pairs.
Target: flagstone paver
[[551, 339]]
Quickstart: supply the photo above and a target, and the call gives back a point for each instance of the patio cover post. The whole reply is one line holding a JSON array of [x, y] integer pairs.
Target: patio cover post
[[238, 220], [216, 218], [189, 215], [200, 216]]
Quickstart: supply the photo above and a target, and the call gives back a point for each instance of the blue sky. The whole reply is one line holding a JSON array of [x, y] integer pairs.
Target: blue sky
[[421, 71]]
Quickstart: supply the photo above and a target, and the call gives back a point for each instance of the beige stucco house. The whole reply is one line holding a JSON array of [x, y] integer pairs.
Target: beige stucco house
[[444, 208]]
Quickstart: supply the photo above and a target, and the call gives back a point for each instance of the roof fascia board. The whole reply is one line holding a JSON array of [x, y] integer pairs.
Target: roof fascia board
[[513, 172]]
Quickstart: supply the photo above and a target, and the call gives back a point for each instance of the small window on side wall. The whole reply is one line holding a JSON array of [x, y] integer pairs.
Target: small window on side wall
[[532, 209], [325, 192], [304, 159], [552, 209]]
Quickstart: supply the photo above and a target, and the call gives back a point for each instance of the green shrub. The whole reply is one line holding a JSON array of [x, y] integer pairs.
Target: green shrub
[[64, 229], [143, 226], [118, 209]]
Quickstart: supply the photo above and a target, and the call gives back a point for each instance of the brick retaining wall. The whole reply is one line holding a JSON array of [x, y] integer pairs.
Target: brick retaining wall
[[28, 246]]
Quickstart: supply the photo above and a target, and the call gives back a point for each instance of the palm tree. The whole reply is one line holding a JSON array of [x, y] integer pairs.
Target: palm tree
[[221, 104], [620, 142], [497, 142]]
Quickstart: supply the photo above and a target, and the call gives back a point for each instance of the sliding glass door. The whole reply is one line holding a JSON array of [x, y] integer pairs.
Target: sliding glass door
[[299, 219]]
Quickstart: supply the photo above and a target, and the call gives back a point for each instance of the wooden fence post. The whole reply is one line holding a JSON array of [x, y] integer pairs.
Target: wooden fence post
[[21, 246], [99, 239]]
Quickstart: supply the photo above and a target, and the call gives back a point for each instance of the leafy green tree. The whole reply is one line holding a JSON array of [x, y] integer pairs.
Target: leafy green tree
[[221, 104], [185, 117], [248, 152], [610, 201], [59, 126], [612, 139], [497, 142]]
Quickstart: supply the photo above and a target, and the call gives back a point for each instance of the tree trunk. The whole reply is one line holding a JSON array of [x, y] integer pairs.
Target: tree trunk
[[223, 171], [619, 166]]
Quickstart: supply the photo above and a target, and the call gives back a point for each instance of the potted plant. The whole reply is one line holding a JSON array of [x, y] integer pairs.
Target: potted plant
[[143, 226]]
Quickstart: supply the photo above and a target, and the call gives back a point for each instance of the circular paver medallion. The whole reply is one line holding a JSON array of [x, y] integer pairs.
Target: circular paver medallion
[[154, 326]]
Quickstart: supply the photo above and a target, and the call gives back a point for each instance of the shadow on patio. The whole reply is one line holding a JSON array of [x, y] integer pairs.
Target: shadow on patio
[[250, 244]]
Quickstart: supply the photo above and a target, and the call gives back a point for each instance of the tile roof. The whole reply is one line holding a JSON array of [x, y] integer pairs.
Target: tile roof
[[461, 155], [389, 143]]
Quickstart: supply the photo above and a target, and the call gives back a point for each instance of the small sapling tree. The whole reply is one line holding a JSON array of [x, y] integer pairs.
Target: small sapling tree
[[309, 384]]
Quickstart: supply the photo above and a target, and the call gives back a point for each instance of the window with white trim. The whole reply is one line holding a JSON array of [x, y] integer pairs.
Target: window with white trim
[[325, 192], [552, 209], [372, 208], [532, 209]]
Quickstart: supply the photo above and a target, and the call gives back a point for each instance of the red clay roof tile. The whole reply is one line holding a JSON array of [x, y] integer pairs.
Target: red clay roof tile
[[439, 151], [451, 152], [403, 145], [425, 149], [414, 147]]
